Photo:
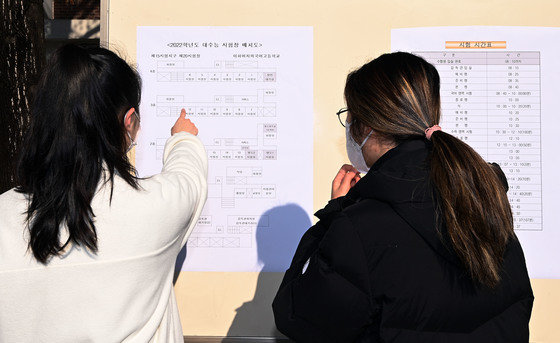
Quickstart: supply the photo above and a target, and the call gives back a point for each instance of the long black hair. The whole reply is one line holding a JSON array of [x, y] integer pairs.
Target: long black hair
[[77, 131]]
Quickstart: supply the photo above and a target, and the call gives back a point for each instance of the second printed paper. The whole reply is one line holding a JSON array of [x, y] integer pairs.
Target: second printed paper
[[499, 94]]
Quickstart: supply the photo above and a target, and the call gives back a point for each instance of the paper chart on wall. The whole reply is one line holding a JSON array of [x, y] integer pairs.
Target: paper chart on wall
[[499, 93], [249, 90]]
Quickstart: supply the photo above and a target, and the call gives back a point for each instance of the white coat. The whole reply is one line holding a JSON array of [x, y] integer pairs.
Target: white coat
[[124, 292]]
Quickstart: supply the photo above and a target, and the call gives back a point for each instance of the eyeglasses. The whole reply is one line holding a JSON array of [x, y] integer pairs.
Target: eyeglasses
[[342, 114]]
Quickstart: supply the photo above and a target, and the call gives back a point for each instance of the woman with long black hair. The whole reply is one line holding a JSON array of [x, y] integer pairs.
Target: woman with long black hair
[[87, 249], [422, 248]]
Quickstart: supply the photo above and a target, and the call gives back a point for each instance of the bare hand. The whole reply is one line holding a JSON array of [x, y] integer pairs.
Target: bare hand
[[184, 125], [345, 179]]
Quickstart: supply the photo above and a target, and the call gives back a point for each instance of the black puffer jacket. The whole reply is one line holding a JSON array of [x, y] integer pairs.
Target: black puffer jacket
[[378, 271]]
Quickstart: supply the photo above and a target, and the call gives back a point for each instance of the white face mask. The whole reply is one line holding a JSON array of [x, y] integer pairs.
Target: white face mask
[[354, 151]]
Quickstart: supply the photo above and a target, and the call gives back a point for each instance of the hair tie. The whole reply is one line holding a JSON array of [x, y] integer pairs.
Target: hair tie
[[429, 131]]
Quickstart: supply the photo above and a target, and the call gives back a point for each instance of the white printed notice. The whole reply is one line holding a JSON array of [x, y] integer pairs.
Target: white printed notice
[[500, 94], [249, 90]]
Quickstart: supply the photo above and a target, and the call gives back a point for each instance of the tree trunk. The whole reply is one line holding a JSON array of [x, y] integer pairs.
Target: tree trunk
[[22, 57]]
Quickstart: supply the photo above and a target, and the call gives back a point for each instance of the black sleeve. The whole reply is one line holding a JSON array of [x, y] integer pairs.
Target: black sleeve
[[311, 239], [330, 301]]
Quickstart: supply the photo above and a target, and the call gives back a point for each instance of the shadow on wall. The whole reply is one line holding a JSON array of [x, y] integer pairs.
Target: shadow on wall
[[179, 263], [275, 248]]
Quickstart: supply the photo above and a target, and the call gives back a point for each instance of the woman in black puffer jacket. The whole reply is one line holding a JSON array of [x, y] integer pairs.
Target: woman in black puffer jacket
[[422, 248]]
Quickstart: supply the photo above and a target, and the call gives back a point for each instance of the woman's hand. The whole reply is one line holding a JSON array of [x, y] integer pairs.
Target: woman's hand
[[184, 125], [345, 179]]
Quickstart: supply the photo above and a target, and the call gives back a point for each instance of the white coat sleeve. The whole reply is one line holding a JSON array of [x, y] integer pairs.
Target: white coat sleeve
[[185, 169]]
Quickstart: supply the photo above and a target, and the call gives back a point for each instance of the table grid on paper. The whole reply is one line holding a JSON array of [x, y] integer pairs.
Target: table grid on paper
[[491, 100]]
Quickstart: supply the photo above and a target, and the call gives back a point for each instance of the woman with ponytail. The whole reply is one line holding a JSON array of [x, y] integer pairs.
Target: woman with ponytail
[[87, 249], [421, 248]]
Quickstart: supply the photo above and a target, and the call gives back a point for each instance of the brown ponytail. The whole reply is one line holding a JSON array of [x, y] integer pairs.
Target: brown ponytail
[[397, 95], [473, 205]]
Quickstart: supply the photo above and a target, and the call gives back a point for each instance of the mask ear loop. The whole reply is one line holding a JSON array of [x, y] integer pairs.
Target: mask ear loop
[[365, 140], [132, 142]]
